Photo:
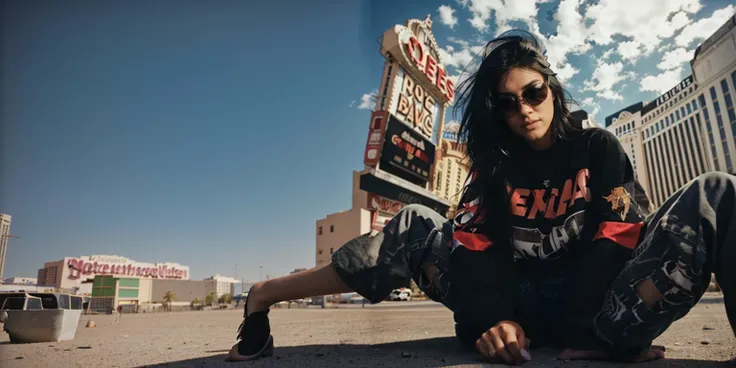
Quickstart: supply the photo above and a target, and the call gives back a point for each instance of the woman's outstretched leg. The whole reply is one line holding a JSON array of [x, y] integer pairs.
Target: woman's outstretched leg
[[415, 244], [691, 236], [320, 280]]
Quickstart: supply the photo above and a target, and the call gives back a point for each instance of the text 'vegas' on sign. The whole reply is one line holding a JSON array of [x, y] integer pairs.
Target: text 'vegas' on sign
[[429, 66], [416, 105]]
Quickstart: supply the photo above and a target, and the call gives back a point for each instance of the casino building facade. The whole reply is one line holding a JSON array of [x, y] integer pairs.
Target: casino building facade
[[690, 129]]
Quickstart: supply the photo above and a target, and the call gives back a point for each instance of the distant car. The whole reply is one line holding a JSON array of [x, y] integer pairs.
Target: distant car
[[403, 294]]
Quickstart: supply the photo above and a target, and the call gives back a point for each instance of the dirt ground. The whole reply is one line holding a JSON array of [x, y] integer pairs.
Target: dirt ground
[[390, 334]]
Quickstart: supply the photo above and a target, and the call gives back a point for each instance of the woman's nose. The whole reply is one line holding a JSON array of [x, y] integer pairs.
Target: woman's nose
[[525, 108]]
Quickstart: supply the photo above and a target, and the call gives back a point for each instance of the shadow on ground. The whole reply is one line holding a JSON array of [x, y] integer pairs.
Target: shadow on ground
[[436, 352]]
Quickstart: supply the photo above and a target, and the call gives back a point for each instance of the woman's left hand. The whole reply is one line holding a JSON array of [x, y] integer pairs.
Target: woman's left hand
[[654, 353]]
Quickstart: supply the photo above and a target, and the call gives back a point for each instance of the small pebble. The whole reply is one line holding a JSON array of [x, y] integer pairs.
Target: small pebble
[[705, 341], [19, 358], [708, 328], [677, 344]]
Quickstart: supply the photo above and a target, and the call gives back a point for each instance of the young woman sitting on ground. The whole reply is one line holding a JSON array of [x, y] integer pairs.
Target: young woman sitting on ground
[[549, 244]]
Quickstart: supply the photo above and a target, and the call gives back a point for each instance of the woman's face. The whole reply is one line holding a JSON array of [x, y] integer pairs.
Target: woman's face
[[527, 104]]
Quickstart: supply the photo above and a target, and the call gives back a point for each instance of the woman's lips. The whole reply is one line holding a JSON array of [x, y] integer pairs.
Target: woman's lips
[[532, 125]]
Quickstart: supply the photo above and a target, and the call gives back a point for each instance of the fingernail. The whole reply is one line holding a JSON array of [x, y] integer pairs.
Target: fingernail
[[525, 354]]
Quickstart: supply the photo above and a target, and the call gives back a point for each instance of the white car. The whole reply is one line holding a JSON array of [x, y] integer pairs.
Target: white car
[[402, 294]]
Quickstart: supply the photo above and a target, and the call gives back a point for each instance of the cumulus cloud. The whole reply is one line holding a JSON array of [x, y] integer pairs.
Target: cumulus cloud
[[674, 58], [704, 27], [592, 104], [368, 100], [604, 79], [456, 58], [447, 16], [645, 22], [661, 82], [503, 11], [630, 50]]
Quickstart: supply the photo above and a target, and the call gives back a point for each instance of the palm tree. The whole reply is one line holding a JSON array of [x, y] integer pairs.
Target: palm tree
[[169, 297], [195, 303], [226, 299], [210, 299]]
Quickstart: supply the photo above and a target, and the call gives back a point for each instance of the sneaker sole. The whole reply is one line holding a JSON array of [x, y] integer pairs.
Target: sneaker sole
[[267, 351]]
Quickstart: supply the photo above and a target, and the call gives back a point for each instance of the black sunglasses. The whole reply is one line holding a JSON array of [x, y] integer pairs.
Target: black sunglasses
[[532, 95]]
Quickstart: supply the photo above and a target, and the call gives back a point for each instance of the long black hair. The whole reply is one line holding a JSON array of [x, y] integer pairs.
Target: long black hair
[[490, 142]]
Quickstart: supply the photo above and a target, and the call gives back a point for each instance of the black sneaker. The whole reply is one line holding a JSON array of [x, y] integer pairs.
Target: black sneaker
[[254, 337]]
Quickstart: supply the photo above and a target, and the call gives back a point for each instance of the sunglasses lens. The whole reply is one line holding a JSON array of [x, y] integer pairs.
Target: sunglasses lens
[[507, 104], [535, 95]]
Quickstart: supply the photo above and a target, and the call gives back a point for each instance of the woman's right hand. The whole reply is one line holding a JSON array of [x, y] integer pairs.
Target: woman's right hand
[[504, 342]]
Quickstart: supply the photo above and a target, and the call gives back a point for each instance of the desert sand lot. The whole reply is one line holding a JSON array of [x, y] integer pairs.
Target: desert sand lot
[[390, 334]]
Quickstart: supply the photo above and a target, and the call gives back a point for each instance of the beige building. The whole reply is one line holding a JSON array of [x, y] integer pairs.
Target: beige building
[[21, 280], [185, 290], [690, 129], [452, 168], [337, 228], [4, 235], [71, 273], [714, 67], [626, 125], [220, 285]]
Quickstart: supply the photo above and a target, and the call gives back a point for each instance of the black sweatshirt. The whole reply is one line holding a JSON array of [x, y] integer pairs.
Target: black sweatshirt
[[571, 207]]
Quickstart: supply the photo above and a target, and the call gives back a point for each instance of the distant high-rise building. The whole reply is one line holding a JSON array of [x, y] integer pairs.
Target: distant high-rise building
[[452, 167], [4, 235]]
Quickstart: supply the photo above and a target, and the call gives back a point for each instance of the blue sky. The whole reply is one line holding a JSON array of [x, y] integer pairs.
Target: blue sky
[[215, 135]]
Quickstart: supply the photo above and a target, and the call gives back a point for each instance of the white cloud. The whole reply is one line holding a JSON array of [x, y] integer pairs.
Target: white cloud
[[447, 16], [662, 82], [604, 79], [674, 58], [704, 27], [606, 55], [645, 22], [565, 72], [503, 11], [589, 102], [459, 59], [368, 100], [630, 50], [570, 36], [610, 95]]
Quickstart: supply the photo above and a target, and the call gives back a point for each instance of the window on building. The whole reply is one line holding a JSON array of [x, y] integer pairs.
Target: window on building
[[332, 250], [332, 228], [319, 231], [729, 106], [695, 105], [688, 108], [320, 251], [677, 115], [682, 112], [687, 151]]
